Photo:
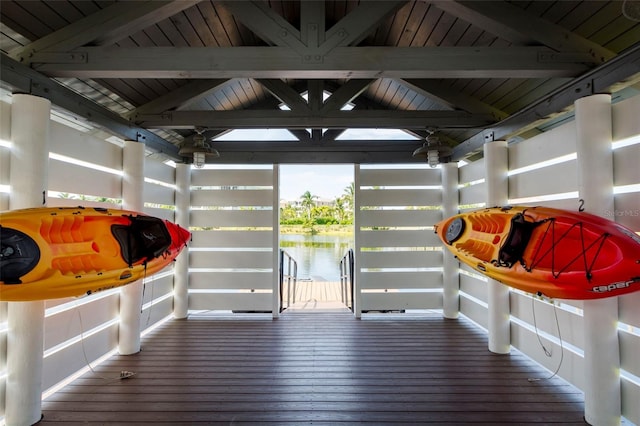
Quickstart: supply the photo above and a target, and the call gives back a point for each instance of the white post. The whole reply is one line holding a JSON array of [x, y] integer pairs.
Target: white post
[[131, 294], [29, 172], [595, 188], [276, 241], [357, 297], [451, 279], [496, 161], [181, 271]]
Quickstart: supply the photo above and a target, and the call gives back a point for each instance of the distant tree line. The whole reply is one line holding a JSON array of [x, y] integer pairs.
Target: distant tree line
[[308, 212]]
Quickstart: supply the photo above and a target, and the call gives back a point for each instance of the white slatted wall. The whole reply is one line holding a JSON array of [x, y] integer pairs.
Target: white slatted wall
[[543, 171], [472, 196], [233, 217], [398, 255], [81, 166]]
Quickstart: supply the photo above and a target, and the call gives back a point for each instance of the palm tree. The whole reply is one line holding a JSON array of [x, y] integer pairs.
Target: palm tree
[[349, 195], [308, 202]]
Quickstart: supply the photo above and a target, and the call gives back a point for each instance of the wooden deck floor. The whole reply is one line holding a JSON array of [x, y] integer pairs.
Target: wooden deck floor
[[318, 368]]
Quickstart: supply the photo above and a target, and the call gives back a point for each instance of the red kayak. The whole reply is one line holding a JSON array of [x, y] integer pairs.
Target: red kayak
[[48, 253], [551, 252]]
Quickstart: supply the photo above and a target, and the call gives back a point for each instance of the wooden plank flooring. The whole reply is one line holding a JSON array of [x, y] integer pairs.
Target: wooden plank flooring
[[320, 368]]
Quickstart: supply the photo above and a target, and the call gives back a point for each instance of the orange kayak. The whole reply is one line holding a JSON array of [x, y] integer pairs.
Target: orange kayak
[[551, 252], [49, 253]]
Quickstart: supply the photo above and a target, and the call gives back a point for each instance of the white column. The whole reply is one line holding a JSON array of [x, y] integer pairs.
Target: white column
[[276, 241], [595, 187], [496, 160], [451, 279], [357, 298], [29, 171], [131, 294], [181, 268]]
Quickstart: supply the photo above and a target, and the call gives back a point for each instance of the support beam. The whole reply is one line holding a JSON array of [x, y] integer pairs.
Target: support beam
[[256, 119], [312, 23], [436, 90], [520, 27], [180, 97], [275, 235], [496, 164], [602, 399], [285, 93], [30, 129], [339, 152], [131, 294], [623, 67], [23, 79], [346, 93], [284, 62], [266, 23], [450, 265], [359, 23], [181, 275], [105, 27]]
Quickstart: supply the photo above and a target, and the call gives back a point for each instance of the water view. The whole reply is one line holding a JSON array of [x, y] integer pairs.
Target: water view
[[318, 256]]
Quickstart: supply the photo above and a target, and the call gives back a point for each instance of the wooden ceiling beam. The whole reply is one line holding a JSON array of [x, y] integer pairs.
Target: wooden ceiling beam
[[179, 97], [436, 90], [104, 27], [516, 25], [260, 119], [341, 62]]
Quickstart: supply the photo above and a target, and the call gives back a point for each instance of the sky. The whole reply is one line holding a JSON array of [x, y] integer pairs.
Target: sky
[[325, 181]]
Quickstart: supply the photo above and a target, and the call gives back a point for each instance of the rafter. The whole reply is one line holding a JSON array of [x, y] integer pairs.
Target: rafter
[[342, 62], [455, 99], [285, 93], [518, 26], [359, 23], [266, 23], [625, 66], [346, 93], [256, 119], [105, 27], [26, 80], [179, 97]]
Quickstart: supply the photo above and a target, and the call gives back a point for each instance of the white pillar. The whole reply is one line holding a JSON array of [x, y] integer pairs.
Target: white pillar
[[595, 187], [496, 160], [451, 279], [357, 297], [275, 261], [131, 294], [29, 171], [181, 269]]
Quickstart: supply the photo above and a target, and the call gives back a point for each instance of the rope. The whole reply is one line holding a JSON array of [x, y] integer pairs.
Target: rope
[[546, 351], [588, 266], [123, 374]]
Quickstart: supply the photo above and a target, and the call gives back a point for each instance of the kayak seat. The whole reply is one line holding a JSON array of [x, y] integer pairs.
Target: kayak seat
[[19, 254], [144, 239], [516, 242]]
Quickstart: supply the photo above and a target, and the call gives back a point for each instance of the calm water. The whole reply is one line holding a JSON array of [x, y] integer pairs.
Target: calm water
[[318, 256]]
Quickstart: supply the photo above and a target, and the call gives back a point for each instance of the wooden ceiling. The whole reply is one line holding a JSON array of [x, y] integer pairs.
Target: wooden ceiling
[[155, 71]]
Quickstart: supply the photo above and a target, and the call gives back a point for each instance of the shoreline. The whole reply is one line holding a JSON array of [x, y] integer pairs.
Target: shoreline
[[320, 229]]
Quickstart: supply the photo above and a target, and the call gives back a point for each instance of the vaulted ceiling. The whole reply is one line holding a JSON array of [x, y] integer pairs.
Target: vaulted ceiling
[[472, 71]]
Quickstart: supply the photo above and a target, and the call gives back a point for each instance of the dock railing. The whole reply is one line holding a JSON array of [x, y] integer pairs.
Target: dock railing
[[346, 278], [288, 279]]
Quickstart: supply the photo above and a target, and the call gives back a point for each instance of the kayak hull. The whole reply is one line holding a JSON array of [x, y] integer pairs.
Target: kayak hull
[[545, 251], [50, 253]]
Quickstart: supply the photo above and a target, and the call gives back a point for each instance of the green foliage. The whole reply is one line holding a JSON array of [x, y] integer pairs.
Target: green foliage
[[308, 213]]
